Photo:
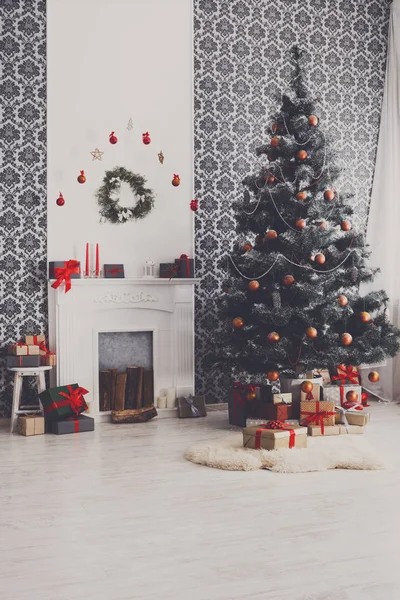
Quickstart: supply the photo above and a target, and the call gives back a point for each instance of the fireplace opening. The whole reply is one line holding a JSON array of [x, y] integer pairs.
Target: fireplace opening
[[126, 372]]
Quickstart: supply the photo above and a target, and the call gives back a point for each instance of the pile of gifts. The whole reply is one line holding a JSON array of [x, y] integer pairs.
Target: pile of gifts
[[182, 267], [272, 421], [33, 352], [62, 413]]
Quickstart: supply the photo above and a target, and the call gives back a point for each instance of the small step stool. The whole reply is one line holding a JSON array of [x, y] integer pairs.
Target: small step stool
[[19, 373]]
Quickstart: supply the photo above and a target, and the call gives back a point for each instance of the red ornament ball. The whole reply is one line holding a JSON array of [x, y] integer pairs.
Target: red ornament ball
[[313, 120], [259, 239], [345, 225], [275, 142], [254, 285], [374, 376], [81, 178], [352, 396], [272, 375], [343, 301], [176, 180], [302, 155], [247, 247], [238, 322], [300, 224], [113, 138], [311, 332], [146, 139], [307, 387], [320, 258], [194, 205], [271, 179], [347, 339], [271, 234], [60, 200], [273, 337], [329, 194], [301, 196], [365, 317], [288, 280]]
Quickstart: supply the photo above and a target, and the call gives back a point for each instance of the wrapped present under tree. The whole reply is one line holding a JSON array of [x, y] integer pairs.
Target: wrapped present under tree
[[64, 401]]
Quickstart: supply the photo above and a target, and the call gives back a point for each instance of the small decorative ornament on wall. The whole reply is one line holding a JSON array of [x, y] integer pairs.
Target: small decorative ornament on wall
[[176, 180], [97, 154], [60, 200], [130, 125], [146, 139], [81, 178], [108, 198], [113, 138], [161, 157]]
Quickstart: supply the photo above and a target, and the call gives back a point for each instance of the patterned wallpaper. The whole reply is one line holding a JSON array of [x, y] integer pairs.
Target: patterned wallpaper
[[23, 287], [240, 65]]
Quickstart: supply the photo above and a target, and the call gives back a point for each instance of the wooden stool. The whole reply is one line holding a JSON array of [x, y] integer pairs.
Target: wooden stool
[[21, 372]]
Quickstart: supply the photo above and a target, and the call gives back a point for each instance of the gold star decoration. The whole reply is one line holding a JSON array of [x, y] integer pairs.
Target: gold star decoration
[[161, 157], [97, 154]]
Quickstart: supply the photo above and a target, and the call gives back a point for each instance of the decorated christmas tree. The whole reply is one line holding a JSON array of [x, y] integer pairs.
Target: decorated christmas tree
[[292, 300]]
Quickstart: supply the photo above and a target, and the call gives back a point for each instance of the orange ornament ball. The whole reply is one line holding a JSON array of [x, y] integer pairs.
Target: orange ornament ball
[[343, 301], [301, 196], [345, 225], [311, 332], [352, 396], [254, 286], [271, 179], [238, 322], [288, 280], [374, 376], [313, 120], [272, 375], [300, 224], [251, 396], [271, 234], [302, 155], [365, 317], [273, 337], [320, 258], [81, 178], [247, 247], [347, 339], [259, 239], [275, 142], [307, 387], [329, 194]]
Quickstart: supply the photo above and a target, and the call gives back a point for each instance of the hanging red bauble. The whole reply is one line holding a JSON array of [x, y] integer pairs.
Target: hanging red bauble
[[322, 225], [347, 339], [311, 332], [273, 337], [300, 224], [60, 200], [81, 178], [307, 387], [352, 396], [343, 301], [254, 285], [251, 396], [365, 317], [176, 180], [329, 194], [146, 139], [247, 247], [271, 234], [288, 280], [272, 375], [345, 225], [301, 196], [113, 138], [238, 322], [302, 155], [374, 376], [320, 258], [271, 179], [313, 120], [194, 205], [275, 142]]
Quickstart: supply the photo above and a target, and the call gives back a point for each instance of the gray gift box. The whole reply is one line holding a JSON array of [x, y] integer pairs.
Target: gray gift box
[[168, 271], [114, 272], [190, 407], [77, 424], [61, 264], [22, 361]]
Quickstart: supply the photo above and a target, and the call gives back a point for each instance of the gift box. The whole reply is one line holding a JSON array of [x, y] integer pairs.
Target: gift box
[[268, 394], [57, 266], [191, 407], [347, 374], [114, 272], [49, 360], [185, 266], [315, 430], [275, 412], [76, 424], [35, 340], [324, 374], [30, 425], [169, 270], [239, 406], [22, 361], [338, 393], [352, 417], [62, 402], [274, 435], [317, 413], [314, 395], [23, 350]]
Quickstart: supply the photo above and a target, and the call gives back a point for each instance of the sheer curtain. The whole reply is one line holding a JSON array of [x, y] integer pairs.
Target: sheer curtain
[[383, 233]]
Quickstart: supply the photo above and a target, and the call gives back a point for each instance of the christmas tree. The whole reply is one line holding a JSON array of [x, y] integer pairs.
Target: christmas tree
[[292, 298]]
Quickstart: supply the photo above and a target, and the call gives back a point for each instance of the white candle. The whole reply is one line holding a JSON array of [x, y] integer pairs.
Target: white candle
[[171, 398], [162, 402]]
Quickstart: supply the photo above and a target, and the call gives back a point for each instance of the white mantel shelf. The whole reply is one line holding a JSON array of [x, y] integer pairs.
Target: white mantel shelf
[[130, 281]]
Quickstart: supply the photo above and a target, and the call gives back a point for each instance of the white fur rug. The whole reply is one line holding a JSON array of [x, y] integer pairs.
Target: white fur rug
[[334, 452]]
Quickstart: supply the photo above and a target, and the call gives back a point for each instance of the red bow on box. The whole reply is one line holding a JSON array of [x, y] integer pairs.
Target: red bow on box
[[347, 373], [277, 425], [44, 348], [71, 267], [75, 399]]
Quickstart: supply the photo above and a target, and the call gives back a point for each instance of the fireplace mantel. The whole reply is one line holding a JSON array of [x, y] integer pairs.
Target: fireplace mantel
[[93, 306]]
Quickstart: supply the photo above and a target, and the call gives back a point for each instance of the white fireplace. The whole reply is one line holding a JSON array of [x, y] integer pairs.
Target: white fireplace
[[94, 306]]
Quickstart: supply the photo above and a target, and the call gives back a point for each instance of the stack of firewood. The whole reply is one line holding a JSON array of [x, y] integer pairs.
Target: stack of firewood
[[126, 391]]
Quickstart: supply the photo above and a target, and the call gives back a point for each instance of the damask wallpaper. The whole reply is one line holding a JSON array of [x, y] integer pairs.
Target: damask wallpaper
[[240, 65], [23, 202]]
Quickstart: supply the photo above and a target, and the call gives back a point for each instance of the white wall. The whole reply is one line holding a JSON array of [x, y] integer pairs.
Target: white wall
[[109, 60]]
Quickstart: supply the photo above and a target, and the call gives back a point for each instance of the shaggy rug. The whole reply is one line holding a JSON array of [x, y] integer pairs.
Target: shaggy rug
[[335, 452]]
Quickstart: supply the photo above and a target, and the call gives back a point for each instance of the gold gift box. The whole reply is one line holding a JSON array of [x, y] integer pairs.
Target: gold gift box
[[315, 430], [49, 360], [311, 407], [23, 350], [274, 439], [353, 417], [282, 398], [34, 340], [30, 425]]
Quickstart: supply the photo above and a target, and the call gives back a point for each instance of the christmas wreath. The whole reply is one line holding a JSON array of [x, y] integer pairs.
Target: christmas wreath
[[108, 196]]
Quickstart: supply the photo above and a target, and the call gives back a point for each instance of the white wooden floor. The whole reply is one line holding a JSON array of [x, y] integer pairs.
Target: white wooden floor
[[118, 514]]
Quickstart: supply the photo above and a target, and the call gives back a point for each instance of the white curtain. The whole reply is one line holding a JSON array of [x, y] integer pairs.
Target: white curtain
[[383, 232]]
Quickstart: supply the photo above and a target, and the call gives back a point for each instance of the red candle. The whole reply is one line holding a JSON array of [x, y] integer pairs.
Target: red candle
[[97, 261], [87, 260]]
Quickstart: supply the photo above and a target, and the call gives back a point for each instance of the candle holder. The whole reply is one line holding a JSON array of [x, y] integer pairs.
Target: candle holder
[[149, 269], [98, 275]]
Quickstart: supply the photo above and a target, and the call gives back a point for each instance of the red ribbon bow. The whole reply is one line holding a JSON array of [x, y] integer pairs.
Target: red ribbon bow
[[64, 274], [316, 417], [364, 398], [44, 348], [347, 372], [75, 399], [170, 274], [276, 425]]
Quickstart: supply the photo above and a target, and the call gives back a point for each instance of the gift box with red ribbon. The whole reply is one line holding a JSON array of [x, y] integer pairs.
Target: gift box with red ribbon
[[352, 416], [316, 430], [313, 395], [169, 271], [274, 435], [346, 374], [64, 271], [114, 271], [23, 350], [339, 395], [185, 266], [77, 424], [13, 362], [243, 402], [34, 340], [64, 401], [48, 360], [317, 413], [275, 412]]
